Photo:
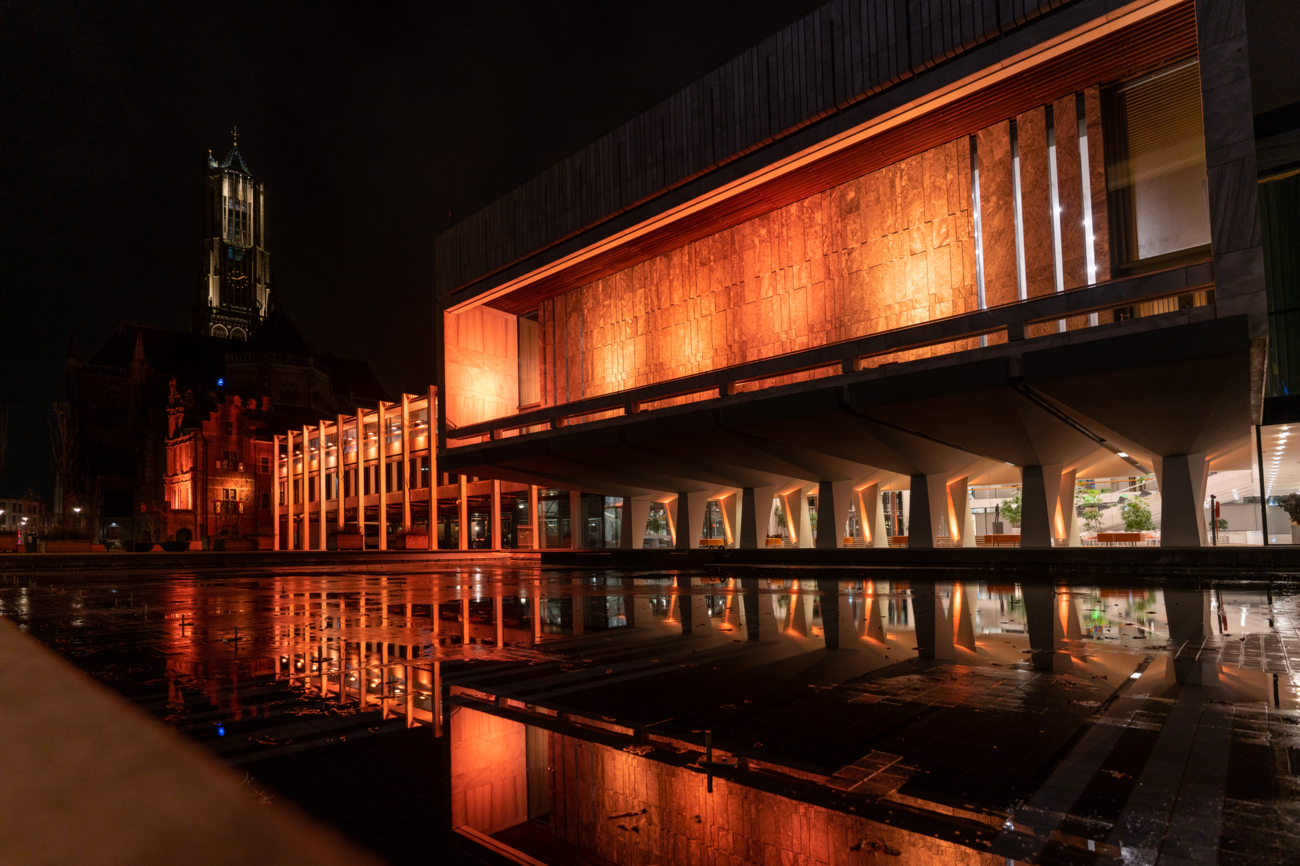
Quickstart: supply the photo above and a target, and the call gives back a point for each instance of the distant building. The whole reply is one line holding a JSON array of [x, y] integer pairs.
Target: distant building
[[235, 289], [218, 479], [18, 511], [124, 399]]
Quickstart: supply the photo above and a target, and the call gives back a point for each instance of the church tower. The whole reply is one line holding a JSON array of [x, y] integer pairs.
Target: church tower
[[235, 283]]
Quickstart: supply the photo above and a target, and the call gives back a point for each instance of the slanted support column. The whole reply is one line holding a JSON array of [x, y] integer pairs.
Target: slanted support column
[[1066, 527], [755, 513], [730, 505], [496, 515], [799, 501], [1182, 481], [625, 523], [1039, 492], [873, 516], [381, 475], [925, 509], [961, 523]]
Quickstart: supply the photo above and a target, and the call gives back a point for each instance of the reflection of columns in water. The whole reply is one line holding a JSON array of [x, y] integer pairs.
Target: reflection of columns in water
[[1043, 623], [925, 599], [642, 610], [749, 615], [1190, 623], [963, 629], [837, 611], [873, 628]]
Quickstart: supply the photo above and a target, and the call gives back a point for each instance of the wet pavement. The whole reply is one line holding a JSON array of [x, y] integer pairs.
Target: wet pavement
[[700, 717]]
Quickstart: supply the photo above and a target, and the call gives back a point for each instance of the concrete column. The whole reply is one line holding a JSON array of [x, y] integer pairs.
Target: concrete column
[[320, 483], [670, 511], [462, 506], [1037, 507], [1066, 528], [731, 507], [275, 492], [577, 529], [304, 537], [534, 519], [381, 478], [683, 520], [832, 512], [873, 516], [496, 516], [1182, 499], [799, 500], [431, 440], [361, 476], [338, 473], [925, 509], [961, 523], [755, 512], [406, 462]]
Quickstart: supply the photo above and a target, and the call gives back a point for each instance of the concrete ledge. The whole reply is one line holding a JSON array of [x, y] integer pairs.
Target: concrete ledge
[[90, 779], [1120, 561], [206, 561]]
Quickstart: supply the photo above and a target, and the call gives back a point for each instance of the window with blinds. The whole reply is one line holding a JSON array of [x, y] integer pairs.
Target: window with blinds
[[1155, 167]]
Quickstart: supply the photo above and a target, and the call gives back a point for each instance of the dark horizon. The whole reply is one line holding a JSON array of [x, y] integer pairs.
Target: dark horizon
[[365, 132]]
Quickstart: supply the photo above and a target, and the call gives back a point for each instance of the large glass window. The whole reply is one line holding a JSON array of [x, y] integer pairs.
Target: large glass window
[[1155, 167]]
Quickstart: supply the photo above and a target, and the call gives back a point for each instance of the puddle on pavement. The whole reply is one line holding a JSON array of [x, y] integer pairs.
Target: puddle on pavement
[[649, 718]]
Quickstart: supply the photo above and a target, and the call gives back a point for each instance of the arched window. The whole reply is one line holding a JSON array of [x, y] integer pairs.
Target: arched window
[[288, 393], [220, 332], [238, 334]]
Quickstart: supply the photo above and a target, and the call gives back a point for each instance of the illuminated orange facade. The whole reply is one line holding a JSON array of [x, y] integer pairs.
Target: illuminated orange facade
[[218, 481], [835, 317]]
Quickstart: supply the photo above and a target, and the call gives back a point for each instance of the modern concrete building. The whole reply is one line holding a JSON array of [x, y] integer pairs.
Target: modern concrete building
[[890, 255]]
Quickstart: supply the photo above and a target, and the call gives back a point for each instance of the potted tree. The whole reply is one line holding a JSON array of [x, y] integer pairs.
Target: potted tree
[[1291, 505]]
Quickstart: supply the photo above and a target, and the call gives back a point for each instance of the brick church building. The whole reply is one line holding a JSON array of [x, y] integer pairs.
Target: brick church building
[[171, 427]]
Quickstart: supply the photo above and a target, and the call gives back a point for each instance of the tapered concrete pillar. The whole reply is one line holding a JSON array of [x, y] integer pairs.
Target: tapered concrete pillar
[[625, 524], [1066, 529], [832, 512], [873, 516], [636, 513], [731, 509], [925, 510], [1037, 507], [689, 519], [799, 501], [961, 522], [1182, 499], [682, 521], [755, 512]]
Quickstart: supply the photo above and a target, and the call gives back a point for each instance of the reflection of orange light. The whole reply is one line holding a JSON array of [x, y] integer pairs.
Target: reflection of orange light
[[957, 592]]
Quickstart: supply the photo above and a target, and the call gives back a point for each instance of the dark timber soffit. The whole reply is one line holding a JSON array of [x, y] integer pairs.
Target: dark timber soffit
[[730, 124]]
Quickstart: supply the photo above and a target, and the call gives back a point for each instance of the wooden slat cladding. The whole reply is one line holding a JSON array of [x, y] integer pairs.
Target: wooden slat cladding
[[836, 56], [997, 214], [890, 249], [1154, 42], [1036, 203]]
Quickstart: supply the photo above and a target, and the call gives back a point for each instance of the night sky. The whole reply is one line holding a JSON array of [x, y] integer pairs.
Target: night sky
[[365, 122]]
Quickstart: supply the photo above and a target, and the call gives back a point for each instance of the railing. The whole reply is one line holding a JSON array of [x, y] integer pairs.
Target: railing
[[1012, 320]]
